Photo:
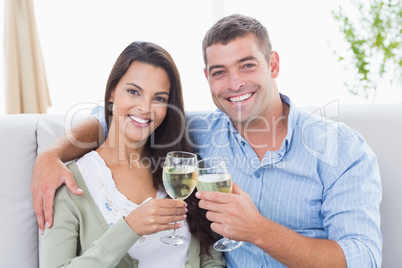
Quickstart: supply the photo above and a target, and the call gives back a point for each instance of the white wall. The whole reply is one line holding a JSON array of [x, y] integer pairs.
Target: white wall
[[81, 40]]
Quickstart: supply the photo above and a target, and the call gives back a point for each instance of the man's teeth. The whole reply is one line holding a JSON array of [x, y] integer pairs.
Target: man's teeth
[[240, 98], [139, 120]]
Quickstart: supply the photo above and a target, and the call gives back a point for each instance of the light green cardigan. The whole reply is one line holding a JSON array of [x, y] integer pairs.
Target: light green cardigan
[[80, 236]]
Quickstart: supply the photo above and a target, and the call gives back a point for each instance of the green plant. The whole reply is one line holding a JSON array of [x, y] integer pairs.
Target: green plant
[[374, 38]]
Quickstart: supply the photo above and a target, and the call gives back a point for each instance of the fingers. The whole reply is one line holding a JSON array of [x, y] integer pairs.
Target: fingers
[[72, 185], [168, 214], [48, 207], [169, 219], [48, 174], [216, 197], [215, 201], [37, 201], [155, 216], [38, 208], [236, 189], [171, 203]]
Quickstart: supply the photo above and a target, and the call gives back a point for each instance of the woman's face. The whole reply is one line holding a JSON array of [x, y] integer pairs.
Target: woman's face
[[140, 102]]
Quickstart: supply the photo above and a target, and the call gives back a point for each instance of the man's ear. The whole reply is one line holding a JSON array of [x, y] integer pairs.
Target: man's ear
[[206, 73], [274, 63]]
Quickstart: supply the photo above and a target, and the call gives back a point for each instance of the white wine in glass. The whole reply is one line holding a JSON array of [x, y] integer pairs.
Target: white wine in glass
[[179, 180], [213, 175], [215, 182]]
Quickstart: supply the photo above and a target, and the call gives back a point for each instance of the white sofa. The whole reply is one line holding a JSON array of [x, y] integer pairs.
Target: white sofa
[[23, 136]]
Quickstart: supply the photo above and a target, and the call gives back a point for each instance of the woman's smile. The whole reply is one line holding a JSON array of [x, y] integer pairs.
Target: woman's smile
[[140, 121]]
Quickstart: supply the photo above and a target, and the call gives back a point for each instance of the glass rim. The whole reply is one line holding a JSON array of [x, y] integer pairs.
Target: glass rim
[[218, 165], [183, 153]]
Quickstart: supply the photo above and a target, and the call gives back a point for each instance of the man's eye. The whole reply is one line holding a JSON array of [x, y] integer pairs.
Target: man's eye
[[217, 73], [249, 65]]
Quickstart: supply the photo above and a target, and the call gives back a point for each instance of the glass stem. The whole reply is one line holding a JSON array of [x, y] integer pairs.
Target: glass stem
[[174, 231]]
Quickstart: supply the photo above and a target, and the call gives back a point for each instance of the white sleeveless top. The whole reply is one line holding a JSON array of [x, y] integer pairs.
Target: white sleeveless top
[[149, 250]]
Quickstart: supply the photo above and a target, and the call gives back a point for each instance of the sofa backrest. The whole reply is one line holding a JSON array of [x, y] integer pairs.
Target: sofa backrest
[[22, 136], [381, 126]]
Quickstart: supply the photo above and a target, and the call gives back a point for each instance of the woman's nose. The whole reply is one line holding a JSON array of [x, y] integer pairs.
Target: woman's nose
[[144, 106]]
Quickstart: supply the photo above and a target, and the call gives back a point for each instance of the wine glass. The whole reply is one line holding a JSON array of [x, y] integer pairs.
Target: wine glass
[[179, 180], [213, 175]]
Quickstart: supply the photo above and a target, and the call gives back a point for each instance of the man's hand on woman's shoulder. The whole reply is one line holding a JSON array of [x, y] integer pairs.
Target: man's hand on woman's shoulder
[[48, 174]]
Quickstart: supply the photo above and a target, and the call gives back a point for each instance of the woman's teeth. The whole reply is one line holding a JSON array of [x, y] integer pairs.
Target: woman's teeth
[[240, 98], [139, 120]]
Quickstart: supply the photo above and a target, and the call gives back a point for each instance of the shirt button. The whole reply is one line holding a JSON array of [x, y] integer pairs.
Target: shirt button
[[257, 175], [243, 143]]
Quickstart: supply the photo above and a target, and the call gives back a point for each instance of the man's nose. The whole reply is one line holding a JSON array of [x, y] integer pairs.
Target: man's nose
[[235, 80]]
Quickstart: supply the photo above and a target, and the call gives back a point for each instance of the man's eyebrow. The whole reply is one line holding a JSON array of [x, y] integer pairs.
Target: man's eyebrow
[[214, 67], [246, 59], [238, 61]]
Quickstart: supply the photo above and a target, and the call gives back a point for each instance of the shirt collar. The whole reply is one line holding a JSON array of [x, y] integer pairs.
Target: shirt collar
[[293, 117]]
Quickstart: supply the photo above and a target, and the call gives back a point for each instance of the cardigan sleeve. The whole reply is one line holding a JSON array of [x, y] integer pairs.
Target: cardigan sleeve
[[60, 245]]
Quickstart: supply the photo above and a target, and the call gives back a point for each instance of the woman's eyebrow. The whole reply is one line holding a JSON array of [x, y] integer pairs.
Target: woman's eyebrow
[[142, 90], [162, 93], [136, 86]]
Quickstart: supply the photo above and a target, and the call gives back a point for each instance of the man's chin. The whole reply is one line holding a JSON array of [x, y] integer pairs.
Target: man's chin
[[238, 117]]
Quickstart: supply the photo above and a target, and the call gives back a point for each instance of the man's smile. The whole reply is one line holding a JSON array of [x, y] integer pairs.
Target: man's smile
[[240, 98]]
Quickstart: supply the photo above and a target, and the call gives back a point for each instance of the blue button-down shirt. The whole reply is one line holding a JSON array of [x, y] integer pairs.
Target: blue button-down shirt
[[323, 182]]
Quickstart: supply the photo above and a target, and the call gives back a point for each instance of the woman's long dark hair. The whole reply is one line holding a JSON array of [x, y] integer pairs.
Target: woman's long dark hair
[[169, 136]]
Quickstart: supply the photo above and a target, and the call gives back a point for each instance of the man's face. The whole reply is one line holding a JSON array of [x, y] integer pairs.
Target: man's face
[[240, 79]]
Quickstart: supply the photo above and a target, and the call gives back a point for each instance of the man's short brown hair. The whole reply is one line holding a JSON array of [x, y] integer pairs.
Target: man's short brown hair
[[234, 26]]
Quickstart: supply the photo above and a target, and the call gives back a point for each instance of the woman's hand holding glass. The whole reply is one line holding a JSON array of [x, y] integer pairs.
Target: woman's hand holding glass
[[179, 182], [155, 215], [213, 175]]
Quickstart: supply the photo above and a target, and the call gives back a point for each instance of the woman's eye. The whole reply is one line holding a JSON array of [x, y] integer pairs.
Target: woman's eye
[[132, 91], [161, 99]]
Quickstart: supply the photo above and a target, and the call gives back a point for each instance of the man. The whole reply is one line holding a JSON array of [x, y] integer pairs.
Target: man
[[306, 192]]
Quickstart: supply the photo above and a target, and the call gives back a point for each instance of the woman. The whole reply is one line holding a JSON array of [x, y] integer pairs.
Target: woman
[[119, 219]]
